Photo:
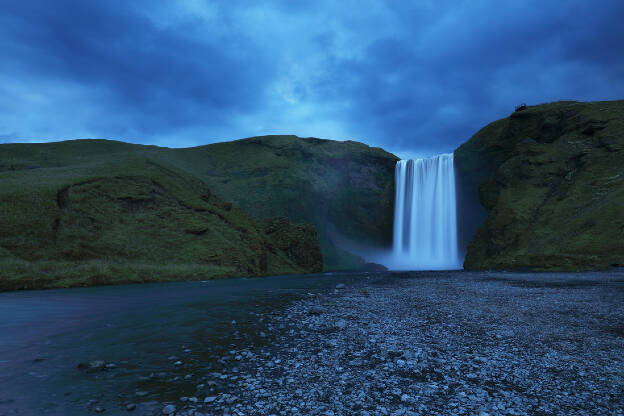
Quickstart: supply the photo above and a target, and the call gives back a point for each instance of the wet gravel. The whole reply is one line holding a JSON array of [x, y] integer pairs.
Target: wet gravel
[[428, 344], [435, 343]]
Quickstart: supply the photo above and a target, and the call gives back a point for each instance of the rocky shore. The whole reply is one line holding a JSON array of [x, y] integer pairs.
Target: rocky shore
[[416, 344]]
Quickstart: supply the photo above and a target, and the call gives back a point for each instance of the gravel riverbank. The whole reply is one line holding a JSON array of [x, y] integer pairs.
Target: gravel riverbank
[[426, 343], [430, 344]]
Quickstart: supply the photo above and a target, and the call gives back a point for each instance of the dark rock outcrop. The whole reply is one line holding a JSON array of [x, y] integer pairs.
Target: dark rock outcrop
[[551, 180], [299, 242]]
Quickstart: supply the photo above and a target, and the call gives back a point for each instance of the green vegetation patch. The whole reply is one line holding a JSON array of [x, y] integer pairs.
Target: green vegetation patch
[[128, 216], [552, 180]]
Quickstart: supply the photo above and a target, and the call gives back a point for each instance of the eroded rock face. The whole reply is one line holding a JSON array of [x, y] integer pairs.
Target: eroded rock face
[[551, 178], [299, 242]]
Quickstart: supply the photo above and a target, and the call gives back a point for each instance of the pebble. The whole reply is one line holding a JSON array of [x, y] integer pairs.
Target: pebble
[[430, 346], [169, 409], [95, 365], [440, 344]]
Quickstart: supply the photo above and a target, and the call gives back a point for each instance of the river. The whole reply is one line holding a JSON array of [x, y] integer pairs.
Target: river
[[44, 335]]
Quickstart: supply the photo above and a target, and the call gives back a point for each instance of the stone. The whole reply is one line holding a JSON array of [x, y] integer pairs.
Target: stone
[[95, 365], [425, 358], [131, 407], [169, 409]]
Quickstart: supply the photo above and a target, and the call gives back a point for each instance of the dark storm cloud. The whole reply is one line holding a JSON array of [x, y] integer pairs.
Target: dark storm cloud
[[413, 77], [135, 76], [432, 87]]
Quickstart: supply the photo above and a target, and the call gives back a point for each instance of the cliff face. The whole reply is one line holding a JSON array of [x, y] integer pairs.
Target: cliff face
[[346, 189], [551, 180], [70, 218]]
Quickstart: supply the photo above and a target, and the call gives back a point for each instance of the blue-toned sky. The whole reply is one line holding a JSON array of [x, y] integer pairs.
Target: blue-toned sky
[[415, 77]]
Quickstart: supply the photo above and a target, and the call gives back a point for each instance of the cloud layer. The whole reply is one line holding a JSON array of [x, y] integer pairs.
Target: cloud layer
[[416, 78]]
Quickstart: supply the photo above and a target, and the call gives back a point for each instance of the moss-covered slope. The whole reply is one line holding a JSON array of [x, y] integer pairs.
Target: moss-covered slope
[[93, 212], [551, 178], [99, 211], [346, 189]]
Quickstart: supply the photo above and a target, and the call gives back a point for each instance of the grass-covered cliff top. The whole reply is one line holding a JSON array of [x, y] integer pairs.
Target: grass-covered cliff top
[[552, 180]]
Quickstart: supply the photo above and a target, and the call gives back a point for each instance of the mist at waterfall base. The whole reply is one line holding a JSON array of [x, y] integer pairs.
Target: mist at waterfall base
[[425, 216]]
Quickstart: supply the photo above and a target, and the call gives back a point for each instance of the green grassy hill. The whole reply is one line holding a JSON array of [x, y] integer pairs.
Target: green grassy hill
[[551, 178], [346, 189], [85, 212], [92, 212], [99, 211]]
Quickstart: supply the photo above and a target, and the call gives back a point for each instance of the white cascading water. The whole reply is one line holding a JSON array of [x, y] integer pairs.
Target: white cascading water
[[425, 214]]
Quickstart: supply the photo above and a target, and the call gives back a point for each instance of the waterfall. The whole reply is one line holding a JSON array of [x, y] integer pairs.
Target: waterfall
[[425, 215]]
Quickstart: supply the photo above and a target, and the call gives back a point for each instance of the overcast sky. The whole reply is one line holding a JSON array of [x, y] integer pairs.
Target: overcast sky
[[414, 77]]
